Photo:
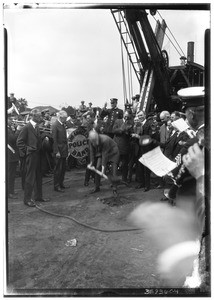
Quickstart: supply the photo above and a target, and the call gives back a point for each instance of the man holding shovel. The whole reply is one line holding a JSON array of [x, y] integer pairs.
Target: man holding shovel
[[108, 152]]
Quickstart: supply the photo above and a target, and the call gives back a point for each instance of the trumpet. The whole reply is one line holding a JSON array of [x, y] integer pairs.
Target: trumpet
[[22, 123], [45, 129]]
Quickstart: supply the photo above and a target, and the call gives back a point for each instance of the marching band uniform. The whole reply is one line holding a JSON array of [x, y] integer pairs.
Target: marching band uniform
[[194, 99]]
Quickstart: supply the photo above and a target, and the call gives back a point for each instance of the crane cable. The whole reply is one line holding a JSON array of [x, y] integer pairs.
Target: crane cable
[[123, 67], [172, 35], [180, 53], [129, 74]]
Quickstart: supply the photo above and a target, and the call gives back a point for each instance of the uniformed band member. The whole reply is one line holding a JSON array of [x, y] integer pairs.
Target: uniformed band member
[[29, 145], [82, 107], [113, 114], [11, 100], [177, 231], [193, 104]]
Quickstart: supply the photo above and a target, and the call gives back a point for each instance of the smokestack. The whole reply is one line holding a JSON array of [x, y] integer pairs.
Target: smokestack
[[190, 52]]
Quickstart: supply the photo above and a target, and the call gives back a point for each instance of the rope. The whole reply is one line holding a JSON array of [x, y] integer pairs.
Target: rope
[[123, 68], [128, 68], [172, 35], [85, 225], [180, 53]]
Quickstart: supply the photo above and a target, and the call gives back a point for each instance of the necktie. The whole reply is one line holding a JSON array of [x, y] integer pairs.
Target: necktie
[[37, 130]]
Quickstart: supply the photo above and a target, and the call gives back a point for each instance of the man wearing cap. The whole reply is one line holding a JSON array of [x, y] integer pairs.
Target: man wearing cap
[[135, 104], [12, 101], [113, 114], [12, 157], [193, 159], [193, 105], [82, 107]]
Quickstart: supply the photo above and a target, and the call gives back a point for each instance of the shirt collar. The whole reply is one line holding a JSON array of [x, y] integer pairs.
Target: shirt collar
[[33, 123], [60, 122]]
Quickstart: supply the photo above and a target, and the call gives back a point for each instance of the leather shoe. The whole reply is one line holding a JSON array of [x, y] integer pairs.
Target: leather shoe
[[43, 199], [164, 199], [64, 187], [95, 191], [12, 196], [146, 189], [139, 186], [59, 190], [159, 187], [30, 203]]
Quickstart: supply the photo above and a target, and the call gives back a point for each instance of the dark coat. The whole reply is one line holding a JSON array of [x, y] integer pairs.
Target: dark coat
[[122, 131], [11, 140], [28, 141], [60, 143], [113, 114], [108, 149]]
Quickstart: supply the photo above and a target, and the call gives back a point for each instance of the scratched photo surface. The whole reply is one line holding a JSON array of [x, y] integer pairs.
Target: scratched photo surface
[[83, 215]]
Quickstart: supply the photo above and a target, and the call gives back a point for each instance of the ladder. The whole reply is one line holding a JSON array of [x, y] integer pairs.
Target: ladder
[[146, 91], [128, 43]]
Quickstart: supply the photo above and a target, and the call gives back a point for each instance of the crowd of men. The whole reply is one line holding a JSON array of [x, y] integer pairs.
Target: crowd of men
[[116, 142]]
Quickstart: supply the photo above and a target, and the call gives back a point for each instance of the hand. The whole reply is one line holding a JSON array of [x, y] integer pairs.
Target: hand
[[194, 161], [167, 227], [103, 170], [58, 155], [90, 167], [178, 159]]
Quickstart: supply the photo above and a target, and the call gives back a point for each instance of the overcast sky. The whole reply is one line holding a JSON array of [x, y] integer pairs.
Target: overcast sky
[[61, 57]]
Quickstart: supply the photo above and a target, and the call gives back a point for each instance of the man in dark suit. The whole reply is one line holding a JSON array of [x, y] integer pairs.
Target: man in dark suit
[[60, 150], [113, 114], [29, 145], [12, 157], [122, 132]]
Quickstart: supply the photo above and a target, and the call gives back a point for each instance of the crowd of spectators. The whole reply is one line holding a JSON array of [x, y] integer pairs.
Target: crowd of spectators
[[116, 141]]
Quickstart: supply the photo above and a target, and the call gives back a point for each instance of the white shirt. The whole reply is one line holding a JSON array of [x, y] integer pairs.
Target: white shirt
[[33, 123]]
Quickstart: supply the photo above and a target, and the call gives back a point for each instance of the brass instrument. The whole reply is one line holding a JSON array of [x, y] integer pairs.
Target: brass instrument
[[179, 177], [22, 123]]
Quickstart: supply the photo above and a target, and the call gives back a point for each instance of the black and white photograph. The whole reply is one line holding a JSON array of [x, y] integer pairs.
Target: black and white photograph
[[107, 149]]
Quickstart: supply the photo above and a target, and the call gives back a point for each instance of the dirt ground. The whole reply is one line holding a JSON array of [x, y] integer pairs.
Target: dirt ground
[[41, 260]]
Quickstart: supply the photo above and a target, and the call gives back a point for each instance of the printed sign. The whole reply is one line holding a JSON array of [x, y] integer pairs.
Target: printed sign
[[78, 143]]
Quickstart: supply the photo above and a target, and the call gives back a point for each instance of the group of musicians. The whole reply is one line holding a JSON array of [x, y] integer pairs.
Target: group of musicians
[[116, 141]]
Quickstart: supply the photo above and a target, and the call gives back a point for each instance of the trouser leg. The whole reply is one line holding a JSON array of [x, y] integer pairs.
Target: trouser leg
[[97, 177], [57, 172], [38, 183], [30, 176], [11, 176]]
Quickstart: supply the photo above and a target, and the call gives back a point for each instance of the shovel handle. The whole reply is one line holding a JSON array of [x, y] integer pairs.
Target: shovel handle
[[92, 168]]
